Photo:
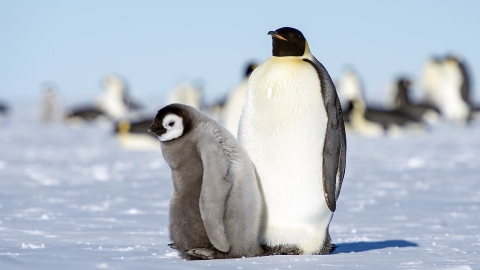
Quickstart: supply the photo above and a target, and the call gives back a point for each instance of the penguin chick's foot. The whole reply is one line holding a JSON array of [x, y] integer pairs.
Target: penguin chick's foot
[[281, 250], [202, 253]]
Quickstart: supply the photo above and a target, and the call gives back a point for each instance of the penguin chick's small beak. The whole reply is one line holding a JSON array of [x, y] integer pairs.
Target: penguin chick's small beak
[[276, 35], [150, 129]]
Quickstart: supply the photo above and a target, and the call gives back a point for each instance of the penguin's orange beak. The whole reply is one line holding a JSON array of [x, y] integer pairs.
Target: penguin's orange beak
[[276, 35]]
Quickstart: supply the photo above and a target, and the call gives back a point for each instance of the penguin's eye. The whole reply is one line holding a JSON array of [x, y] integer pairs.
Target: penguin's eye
[[171, 124]]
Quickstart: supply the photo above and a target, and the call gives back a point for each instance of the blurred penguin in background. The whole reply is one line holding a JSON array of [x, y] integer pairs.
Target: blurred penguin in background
[[134, 135], [51, 109], [113, 104], [233, 106], [401, 101], [430, 80], [187, 93], [113, 99], [466, 86], [3, 109], [132, 132], [349, 86], [214, 109], [446, 87]]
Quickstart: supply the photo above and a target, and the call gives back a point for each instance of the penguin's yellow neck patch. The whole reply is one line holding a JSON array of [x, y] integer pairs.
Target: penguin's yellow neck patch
[[123, 127], [307, 53]]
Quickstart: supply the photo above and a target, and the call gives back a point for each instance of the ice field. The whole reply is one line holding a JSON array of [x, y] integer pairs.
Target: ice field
[[71, 198]]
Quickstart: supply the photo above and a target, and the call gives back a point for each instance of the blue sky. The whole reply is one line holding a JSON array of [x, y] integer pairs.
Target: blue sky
[[156, 44]]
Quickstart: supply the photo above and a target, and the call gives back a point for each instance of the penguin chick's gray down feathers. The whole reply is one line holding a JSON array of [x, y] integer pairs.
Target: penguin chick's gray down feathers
[[216, 207]]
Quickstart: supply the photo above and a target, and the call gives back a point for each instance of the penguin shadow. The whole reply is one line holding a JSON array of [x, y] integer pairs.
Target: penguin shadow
[[367, 246]]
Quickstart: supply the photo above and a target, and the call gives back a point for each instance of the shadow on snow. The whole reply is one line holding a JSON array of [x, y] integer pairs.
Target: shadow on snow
[[366, 246]]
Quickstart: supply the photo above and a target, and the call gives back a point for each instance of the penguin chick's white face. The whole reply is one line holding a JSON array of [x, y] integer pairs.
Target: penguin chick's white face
[[174, 126], [172, 122]]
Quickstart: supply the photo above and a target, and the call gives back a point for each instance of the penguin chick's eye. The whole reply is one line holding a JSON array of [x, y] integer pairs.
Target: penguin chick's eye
[[171, 124]]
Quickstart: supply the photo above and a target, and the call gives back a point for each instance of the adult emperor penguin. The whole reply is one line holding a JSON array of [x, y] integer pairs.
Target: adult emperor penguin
[[292, 128], [216, 207]]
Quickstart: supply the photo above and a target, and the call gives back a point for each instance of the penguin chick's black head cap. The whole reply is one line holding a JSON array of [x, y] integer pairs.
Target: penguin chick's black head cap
[[287, 41], [181, 110]]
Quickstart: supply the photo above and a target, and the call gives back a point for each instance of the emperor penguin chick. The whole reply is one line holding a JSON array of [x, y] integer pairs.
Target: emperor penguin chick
[[216, 207], [292, 128]]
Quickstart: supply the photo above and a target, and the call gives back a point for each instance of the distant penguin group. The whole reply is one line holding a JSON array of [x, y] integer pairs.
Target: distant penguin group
[[373, 121], [275, 190], [445, 94]]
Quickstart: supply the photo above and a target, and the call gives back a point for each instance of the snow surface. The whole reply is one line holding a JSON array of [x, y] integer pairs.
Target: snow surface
[[71, 198]]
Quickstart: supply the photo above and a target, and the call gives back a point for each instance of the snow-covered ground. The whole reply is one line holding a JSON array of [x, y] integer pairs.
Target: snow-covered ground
[[71, 198]]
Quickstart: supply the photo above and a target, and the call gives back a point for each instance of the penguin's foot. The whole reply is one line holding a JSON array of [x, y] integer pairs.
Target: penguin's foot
[[202, 253], [328, 247], [281, 250]]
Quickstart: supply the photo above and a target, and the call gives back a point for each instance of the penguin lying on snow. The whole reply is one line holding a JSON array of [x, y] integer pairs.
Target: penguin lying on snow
[[216, 207], [292, 128], [134, 135], [374, 121], [403, 104]]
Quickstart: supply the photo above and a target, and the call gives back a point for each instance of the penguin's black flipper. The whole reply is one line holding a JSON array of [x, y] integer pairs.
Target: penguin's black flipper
[[334, 148]]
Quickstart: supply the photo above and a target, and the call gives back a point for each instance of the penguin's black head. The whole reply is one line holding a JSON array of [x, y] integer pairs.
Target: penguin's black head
[[287, 41], [403, 88], [250, 68], [171, 122], [405, 82]]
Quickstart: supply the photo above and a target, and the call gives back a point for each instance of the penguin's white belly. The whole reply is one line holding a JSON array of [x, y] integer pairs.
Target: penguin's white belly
[[283, 130]]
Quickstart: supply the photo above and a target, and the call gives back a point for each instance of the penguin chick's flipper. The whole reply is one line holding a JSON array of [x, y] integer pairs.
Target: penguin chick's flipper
[[214, 191], [172, 246], [334, 151]]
